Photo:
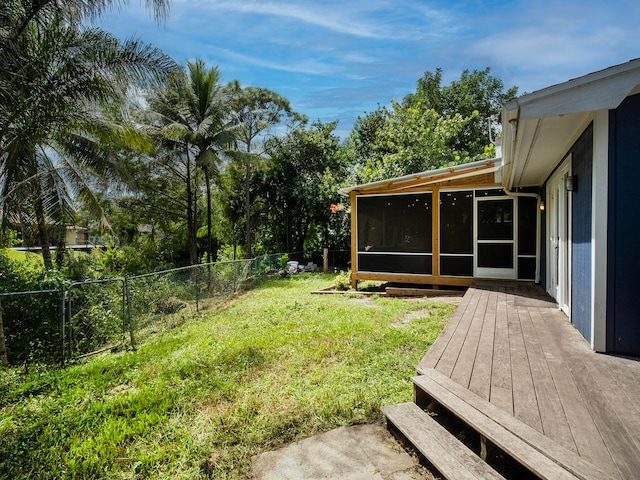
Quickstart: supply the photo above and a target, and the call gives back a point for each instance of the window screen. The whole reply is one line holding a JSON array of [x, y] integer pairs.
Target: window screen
[[495, 220], [395, 263], [394, 223], [456, 222], [527, 217], [456, 266], [495, 255]]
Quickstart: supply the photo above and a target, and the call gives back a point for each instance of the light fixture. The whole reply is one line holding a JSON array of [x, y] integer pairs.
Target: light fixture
[[569, 183], [542, 206]]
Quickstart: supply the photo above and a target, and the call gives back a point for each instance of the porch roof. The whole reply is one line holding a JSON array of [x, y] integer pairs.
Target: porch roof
[[540, 127], [413, 180]]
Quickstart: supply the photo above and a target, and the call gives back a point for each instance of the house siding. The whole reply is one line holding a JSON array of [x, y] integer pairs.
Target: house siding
[[582, 171], [623, 261]]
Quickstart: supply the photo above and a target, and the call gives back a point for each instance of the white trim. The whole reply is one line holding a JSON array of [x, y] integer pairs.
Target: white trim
[[599, 206], [604, 89], [560, 210], [488, 272]]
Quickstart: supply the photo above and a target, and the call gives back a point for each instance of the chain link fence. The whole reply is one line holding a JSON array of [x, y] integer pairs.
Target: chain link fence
[[85, 318]]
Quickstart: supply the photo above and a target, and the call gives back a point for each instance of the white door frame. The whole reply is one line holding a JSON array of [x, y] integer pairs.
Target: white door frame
[[485, 272], [558, 221]]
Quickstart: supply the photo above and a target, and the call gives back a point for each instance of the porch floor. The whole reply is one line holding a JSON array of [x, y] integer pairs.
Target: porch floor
[[513, 347]]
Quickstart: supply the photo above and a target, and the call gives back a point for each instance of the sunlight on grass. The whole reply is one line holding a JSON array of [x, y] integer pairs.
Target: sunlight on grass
[[274, 365]]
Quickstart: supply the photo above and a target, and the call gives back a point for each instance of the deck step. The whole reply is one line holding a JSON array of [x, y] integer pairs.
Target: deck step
[[448, 455], [531, 449]]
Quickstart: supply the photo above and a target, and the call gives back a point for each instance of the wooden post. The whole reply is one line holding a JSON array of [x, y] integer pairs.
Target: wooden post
[[354, 240], [435, 232], [325, 260]]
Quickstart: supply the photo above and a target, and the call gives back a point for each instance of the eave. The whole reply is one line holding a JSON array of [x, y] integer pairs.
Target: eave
[[539, 128]]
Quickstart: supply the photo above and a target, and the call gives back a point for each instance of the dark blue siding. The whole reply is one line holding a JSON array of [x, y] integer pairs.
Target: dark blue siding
[[582, 169], [623, 226]]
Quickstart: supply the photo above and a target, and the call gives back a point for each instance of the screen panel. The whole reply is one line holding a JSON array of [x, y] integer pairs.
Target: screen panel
[[394, 223], [495, 220], [393, 263], [456, 266], [495, 255], [527, 222], [456, 222]]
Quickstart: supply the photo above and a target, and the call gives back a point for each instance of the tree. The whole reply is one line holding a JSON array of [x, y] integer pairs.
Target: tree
[[256, 110], [54, 129], [299, 186], [193, 111], [18, 15], [476, 94], [231, 201], [431, 128]]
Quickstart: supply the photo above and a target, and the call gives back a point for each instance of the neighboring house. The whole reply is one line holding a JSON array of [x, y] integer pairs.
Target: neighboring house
[[559, 208], [73, 235]]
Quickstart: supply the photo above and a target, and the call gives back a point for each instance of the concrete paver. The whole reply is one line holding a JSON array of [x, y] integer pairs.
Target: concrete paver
[[361, 452]]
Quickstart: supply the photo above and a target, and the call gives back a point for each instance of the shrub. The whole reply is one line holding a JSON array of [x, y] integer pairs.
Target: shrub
[[169, 305], [343, 280]]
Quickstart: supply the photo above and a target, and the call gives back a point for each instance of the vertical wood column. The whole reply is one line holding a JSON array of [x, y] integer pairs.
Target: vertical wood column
[[435, 232], [354, 239]]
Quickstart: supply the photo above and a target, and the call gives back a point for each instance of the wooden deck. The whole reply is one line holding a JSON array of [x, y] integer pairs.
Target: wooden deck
[[511, 346]]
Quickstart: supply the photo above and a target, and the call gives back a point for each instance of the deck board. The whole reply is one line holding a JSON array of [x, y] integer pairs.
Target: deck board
[[480, 382], [512, 346], [501, 386]]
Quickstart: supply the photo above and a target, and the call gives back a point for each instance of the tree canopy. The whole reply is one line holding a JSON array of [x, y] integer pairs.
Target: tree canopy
[[207, 164], [433, 127]]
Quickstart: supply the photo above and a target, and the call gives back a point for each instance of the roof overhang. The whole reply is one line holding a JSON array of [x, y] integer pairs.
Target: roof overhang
[[407, 182], [538, 129]]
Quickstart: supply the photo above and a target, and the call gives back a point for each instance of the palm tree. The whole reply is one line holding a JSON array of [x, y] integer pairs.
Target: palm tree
[[17, 15], [56, 82], [200, 119]]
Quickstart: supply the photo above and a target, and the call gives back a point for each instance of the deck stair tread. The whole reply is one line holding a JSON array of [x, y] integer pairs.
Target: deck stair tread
[[530, 448], [446, 453]]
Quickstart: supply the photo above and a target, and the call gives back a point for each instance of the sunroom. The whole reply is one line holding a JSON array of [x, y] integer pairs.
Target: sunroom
[[446, 227]]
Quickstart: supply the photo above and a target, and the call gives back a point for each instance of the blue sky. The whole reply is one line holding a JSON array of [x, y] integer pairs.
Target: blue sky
[[335, 60]]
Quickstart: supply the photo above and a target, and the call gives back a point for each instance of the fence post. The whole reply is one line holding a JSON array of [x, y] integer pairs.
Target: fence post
[[198, 289], [123, 299], [61, 312], [3, 346], [325, 260], [129, 316]]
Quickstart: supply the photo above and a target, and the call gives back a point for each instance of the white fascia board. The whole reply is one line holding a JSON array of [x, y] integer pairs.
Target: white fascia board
[[602, 90]]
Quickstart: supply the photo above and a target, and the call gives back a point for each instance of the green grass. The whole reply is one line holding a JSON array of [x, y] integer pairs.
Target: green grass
[[32, 258], [269, 367]]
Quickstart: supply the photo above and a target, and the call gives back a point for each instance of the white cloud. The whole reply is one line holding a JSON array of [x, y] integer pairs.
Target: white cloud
[[307, 66]]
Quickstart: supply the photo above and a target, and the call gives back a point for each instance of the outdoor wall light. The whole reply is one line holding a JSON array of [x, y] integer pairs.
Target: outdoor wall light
[[569, 183], [542, 206]]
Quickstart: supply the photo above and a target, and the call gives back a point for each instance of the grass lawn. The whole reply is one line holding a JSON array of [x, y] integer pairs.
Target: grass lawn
[[271, 366], [32, 258]]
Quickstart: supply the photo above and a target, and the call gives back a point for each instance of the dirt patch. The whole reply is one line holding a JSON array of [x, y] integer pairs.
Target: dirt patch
[[364, 302]]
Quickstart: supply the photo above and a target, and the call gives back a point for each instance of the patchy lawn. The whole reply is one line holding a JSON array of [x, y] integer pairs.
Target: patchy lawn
[[271, 366]]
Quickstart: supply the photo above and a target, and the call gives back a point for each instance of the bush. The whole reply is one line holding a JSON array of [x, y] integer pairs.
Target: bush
[[343, 280], [169, 305]]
